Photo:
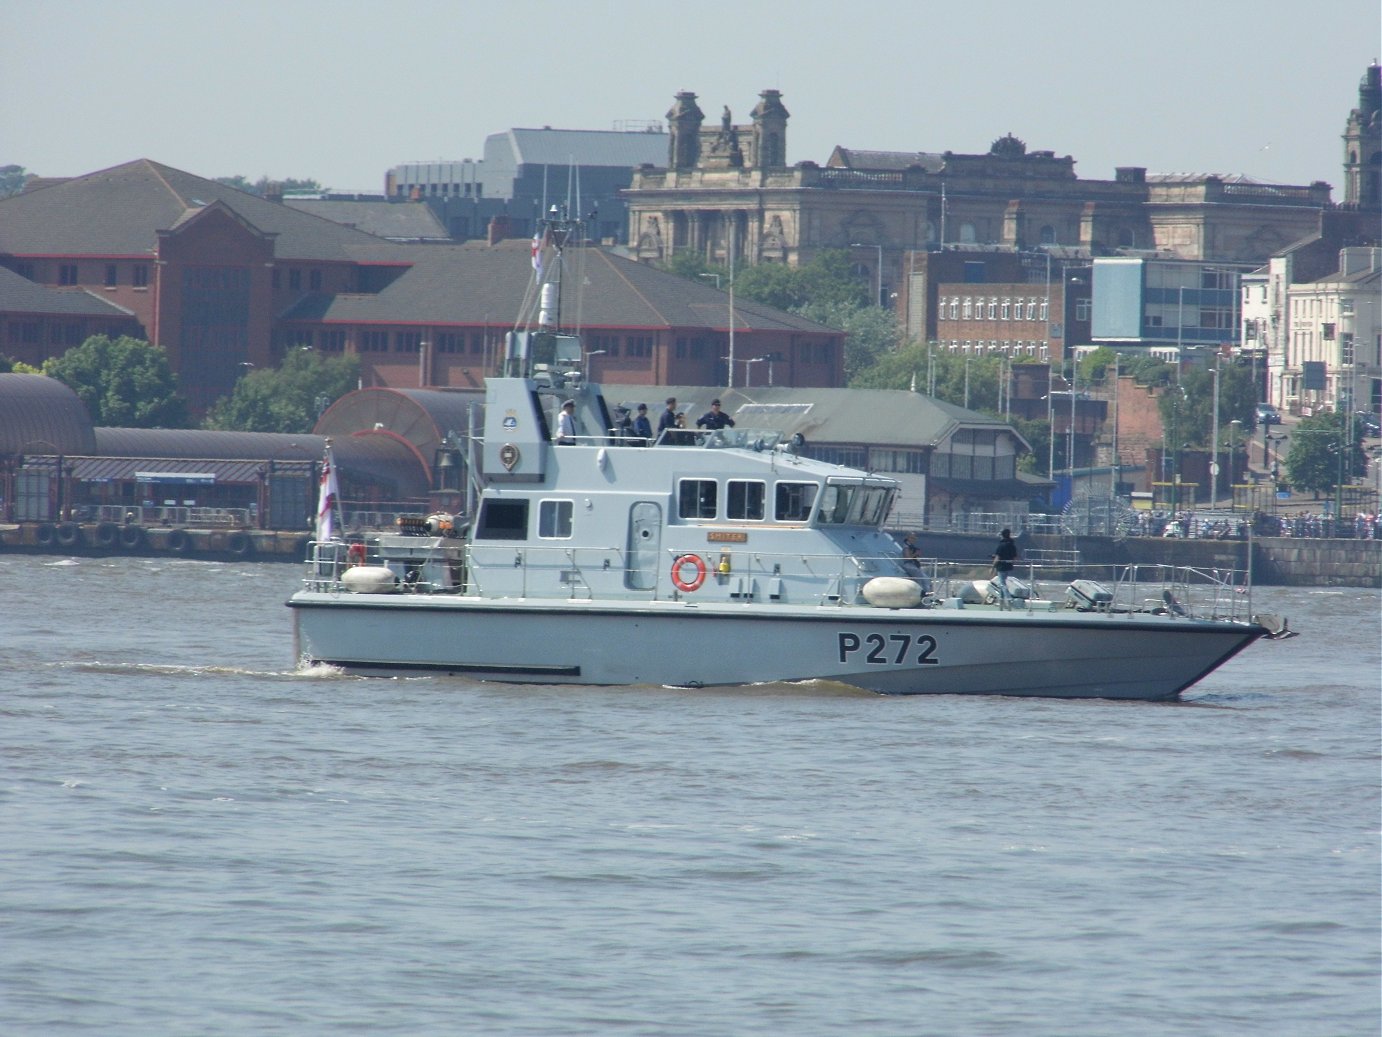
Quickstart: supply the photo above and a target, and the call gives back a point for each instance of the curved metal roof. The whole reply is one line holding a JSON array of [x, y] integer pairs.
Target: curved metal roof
[[40, 415], [383, 459], [423, 417]]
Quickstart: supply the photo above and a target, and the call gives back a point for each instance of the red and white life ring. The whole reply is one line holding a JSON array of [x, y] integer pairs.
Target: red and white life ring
[[682, 584]]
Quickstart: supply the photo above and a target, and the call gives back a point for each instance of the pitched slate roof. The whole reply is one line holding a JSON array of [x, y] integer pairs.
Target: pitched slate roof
[[396, 221], [475, 284], [119, 211], [856, 158], [19, 295]]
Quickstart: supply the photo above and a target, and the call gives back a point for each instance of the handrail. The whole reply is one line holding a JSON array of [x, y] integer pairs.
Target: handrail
[[563, 572]]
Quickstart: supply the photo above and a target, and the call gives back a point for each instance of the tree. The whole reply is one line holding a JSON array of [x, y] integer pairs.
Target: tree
[[1322, 450], [872, 333], [1192, 415], [285, 399], [125, 382], [261, 186], [13, 179]]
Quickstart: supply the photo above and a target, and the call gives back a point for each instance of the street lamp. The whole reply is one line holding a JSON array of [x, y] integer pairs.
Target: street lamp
[[878, 292], [1235, 426]]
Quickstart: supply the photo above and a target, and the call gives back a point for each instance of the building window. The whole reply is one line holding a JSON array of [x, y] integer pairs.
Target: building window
[[112, 275], [67, 274], [407, 342], [993, 309], [1045, 310], [1031, 309], [639, 345], [1004, 311], [332, 341], [477, 344], [1083, 308], [374, 342], [449, 342], [968, 311], [554, 519], [140, 277], [315, 280], [1327, 332], [294, 280]]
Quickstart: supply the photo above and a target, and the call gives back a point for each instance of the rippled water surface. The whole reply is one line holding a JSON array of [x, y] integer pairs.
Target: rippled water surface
[[197, 839]]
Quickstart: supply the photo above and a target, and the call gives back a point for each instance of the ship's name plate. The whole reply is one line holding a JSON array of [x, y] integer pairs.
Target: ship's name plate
[[726, 538]]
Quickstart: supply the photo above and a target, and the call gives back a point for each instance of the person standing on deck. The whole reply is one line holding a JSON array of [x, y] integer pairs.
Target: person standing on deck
[[566, 424], [1004, 555]]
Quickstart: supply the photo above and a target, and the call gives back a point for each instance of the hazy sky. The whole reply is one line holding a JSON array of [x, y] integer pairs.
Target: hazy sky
[[340, 91]]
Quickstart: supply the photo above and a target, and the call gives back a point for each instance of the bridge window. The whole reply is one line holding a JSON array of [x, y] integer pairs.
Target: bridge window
[[794, 501], [745, 500], [697, 498], [554, 519]]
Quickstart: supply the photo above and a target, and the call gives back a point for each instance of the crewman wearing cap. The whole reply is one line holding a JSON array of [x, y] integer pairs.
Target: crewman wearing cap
[[642, 427], [714, 418], [566, 424]]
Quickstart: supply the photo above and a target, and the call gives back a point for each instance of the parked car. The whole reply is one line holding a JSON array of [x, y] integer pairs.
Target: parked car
[[1368, 423], [1268, 415]]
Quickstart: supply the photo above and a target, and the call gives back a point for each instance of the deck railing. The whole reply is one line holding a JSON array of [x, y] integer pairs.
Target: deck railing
[[826, 580]]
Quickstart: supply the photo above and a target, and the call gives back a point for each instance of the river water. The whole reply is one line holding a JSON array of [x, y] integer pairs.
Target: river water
[[196, 839]]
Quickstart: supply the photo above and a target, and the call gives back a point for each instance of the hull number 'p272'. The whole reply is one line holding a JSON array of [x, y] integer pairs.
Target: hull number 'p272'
[[889, 649]]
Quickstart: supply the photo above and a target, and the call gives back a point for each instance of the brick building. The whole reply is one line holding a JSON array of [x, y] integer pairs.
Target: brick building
[[226, 281]]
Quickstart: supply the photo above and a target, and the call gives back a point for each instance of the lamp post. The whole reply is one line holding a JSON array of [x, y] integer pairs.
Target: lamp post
[[1235, 426], [1214, 443], [878, 291]]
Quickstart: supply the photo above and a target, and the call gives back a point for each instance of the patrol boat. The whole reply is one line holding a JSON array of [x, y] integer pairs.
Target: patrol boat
[[722, 558]]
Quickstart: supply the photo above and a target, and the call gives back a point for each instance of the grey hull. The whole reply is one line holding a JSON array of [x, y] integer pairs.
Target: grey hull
[[1062, 654]]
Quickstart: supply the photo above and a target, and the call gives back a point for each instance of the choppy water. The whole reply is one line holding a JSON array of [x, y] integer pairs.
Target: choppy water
[[195, 839]]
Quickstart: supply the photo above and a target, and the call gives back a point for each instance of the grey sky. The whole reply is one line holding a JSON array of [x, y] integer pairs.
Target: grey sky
[[340, 91]]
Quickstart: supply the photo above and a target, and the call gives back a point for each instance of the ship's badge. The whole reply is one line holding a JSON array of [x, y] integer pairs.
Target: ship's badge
[[508, 456], [510, 421]]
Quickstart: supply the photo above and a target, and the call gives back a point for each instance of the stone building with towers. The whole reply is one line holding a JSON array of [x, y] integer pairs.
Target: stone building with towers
[[1363, 144], [727, 190]]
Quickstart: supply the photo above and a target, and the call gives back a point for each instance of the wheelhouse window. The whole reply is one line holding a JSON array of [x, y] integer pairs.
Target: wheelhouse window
[[503, 520], [794, 501], [854, 505], [745, 499], [697, 498], [554, 519]]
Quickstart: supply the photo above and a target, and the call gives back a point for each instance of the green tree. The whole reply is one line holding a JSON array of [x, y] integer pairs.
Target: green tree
[[1193, 415], [1322, 450], [1095, 364], [125, 382], [828, 280], [284, 399], [261, 186], [872, 333], [13, 179]]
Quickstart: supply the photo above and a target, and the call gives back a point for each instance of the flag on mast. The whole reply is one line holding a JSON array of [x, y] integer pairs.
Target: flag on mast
[[537, 252], [328, 499]]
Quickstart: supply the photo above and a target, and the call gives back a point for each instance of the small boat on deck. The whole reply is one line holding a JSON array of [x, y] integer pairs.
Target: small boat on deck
[[724, 558]]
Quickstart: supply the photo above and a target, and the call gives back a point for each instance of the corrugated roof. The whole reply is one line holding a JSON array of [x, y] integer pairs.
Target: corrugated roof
[[119, 211], [40, 415], [564, 148]]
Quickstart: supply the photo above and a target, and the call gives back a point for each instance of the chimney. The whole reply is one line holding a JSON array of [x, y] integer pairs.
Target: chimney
[[498, 229], [273, 191]]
